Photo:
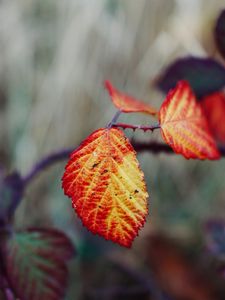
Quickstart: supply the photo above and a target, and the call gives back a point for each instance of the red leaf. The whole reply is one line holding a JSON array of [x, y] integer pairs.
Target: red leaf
[[127, 103], [214, 108], [35, 262], [106, 185], [184, 126]]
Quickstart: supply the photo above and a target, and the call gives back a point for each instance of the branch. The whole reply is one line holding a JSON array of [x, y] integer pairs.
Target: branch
[[144, 284], [114, 119], [153, 147], [4, 282], [134, 127], [157, 148], [45, 163]]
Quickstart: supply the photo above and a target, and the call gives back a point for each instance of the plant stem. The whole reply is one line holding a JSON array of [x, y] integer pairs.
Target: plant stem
[[153, 147], [114, 119], [144, 284], [4, 282], [134, 127], [45, 163]]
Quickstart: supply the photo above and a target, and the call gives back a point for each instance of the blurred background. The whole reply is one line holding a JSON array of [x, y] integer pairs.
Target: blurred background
[[54, 58]]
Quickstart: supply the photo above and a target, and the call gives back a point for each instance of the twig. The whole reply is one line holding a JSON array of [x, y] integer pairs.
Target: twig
[[145, 284], [4, 283], [153, 147], [117, 291], [134, 127], [156, 148], [45, 163], [114, 119]]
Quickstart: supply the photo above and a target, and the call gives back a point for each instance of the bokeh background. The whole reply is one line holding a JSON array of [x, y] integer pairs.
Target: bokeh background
[[55, 56]]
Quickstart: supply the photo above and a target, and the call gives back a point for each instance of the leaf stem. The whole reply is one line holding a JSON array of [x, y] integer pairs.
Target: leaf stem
[[134, 127], [114, 119]]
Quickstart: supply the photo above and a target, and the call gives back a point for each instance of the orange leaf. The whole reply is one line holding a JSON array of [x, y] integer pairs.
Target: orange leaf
[[107, 187], [127, 103], [214, 108], [184, 126]]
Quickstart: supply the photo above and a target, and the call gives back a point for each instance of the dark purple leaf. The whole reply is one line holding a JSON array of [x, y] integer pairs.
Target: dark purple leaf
[[11, 192], [205, 75], [215, 237], [220, 33], [35, 262]]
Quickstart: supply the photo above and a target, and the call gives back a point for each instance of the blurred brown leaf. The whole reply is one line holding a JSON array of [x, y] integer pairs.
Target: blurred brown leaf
[[179, 275]]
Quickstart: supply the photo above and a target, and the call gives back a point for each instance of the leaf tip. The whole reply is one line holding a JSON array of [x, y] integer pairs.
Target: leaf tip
[[108, 85]]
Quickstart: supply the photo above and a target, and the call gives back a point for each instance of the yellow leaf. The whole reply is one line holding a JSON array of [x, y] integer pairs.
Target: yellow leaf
[[107, 187]]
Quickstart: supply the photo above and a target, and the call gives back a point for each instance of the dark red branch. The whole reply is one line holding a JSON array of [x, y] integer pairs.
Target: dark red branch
[[153, 147], [45, 163], [4, 282], [134, 127], [156, 147]]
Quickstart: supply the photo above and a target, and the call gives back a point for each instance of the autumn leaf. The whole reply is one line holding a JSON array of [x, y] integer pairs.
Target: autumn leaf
[[127, 103], [184, 126], [35, 262], [214, 108], [106, 185]]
